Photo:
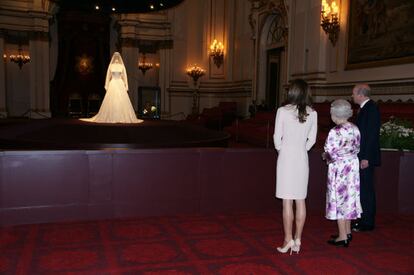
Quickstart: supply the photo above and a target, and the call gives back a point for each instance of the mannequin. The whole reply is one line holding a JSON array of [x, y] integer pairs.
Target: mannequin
[[116, 106]]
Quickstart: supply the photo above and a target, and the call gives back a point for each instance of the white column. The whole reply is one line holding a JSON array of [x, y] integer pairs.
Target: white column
[[3, 105], [44, 77], [165, 79], [229, 38], [39, 79], [130, 58], [307, 44]]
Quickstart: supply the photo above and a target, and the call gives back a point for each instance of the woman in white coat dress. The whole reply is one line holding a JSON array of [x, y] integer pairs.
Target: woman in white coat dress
[[116, 106], [295, 133]]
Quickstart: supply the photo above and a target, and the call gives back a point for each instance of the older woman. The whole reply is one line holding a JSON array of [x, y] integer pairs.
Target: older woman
[[341, 149]]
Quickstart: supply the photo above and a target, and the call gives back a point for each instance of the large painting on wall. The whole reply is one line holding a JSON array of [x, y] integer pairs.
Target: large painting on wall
[[381, 33]]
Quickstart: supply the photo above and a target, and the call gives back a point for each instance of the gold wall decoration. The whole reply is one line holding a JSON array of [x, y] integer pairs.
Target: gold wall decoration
[[84, 64], [330, 20]]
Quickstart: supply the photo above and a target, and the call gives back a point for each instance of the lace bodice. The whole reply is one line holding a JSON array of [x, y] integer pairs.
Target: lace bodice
[[116, 70]]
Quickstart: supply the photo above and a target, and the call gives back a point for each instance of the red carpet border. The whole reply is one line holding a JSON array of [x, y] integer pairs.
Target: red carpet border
[[241, 243]]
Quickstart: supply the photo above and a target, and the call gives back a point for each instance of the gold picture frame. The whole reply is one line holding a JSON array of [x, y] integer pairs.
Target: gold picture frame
[[380, 33]]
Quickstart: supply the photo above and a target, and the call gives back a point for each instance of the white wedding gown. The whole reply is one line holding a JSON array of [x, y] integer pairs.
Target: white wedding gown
[[116, 106]]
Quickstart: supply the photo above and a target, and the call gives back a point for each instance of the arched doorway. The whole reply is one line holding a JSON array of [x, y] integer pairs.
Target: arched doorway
[[272, 58]]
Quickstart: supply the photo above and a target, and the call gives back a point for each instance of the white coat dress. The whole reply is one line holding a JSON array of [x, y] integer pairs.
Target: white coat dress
[[293, 140]]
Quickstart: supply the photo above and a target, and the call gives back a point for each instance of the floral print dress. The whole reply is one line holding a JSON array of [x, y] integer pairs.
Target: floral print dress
[[342, 195]]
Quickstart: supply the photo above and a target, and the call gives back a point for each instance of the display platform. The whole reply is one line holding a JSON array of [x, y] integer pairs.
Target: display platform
[[73, 134]]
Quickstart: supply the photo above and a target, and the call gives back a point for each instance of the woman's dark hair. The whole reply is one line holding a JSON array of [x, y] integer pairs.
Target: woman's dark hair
[[299, 95]]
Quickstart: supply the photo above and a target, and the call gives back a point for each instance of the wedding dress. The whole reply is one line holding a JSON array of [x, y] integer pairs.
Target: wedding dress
[[116, 106]]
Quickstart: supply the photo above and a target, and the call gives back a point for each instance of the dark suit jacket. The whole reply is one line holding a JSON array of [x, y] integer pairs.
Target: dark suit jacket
[[369, 124]]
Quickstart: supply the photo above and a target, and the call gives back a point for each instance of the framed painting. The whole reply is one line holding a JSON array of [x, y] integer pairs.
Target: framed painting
[[380, 33]]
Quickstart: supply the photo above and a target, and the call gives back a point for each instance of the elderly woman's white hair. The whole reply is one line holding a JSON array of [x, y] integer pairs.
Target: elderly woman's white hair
[[341, 109]]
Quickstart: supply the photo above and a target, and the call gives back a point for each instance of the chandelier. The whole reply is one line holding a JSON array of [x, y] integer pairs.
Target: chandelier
[[217, 52], [195, 73], [20, 58], [330, 20], [144, 66]]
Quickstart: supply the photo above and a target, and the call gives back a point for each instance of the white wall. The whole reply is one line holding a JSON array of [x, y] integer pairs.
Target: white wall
[[192, 26], [25, 91], [324, 66], [196, 24]]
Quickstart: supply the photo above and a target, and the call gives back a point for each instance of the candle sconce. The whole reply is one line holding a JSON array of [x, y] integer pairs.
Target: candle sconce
[[330, 20], [217, 52], [195, 73]]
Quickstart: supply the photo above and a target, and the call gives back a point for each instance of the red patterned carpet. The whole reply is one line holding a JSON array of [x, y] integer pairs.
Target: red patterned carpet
[[216, 244]]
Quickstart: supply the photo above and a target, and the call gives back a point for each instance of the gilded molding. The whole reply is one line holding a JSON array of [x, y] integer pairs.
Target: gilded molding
[[128, 42], [16, 37], [383, 89], [147, 46], [261, 9], [39, 36], [23, 37]]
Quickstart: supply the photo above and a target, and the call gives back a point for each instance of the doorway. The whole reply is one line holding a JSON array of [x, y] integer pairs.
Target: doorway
[[273, 78]]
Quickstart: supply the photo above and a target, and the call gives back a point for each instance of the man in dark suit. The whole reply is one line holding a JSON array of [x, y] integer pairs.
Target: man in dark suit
[[369, 123]]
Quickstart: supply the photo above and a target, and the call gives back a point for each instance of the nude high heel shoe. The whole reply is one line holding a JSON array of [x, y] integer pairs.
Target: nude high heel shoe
[[287, 247], [296, 247]]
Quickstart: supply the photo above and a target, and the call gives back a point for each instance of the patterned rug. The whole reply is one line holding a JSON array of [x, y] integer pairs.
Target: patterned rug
[[242, 243]]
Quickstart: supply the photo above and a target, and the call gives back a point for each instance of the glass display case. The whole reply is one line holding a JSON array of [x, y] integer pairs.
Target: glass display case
[[149, 102]]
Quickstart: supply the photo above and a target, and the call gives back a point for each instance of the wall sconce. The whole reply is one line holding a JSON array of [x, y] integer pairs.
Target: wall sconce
[[217, 52], [144, 66], [330, 20], [20, 58], [195, 73]]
